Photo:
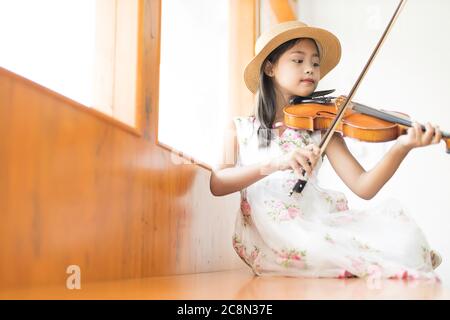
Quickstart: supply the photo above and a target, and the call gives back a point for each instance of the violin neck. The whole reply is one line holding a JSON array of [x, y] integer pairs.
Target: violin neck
[[358, 107]]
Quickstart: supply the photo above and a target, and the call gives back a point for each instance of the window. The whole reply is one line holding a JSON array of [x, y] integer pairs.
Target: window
[[193, 97], [83, 49]]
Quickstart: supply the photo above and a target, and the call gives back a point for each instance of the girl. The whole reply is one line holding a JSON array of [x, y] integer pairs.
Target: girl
[[312, 233]]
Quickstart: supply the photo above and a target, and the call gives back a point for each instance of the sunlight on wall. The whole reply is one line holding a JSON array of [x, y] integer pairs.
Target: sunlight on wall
[[193, 96], [51, 42]]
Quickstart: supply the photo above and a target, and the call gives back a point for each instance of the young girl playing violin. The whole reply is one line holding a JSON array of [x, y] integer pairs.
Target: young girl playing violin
[[313, 233]]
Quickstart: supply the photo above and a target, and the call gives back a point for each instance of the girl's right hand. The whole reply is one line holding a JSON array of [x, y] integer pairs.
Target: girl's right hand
[[299, 159]]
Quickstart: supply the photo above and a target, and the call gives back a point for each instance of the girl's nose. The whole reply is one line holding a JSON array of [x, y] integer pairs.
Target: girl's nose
[[308, 68]]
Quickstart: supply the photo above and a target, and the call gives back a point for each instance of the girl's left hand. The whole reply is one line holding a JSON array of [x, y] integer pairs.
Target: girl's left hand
[[415, 138]]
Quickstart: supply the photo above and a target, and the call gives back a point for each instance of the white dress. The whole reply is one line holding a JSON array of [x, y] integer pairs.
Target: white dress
[[315, 234]]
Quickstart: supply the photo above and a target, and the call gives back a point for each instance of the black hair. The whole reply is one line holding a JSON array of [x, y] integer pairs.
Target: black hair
[[266, 106]]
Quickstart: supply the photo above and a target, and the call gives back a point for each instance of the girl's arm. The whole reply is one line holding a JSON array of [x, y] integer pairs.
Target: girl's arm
[[227, 178], [366, 184]]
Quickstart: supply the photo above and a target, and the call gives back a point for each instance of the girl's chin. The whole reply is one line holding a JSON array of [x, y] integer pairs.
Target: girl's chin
[[305, 90], [304, 93]]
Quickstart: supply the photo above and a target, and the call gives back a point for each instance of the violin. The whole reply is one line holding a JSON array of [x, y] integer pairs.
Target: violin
[[349, 118], [359, 121]]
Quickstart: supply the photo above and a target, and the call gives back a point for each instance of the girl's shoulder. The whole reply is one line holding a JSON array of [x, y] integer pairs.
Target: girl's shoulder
[[245, 126], [245, 122], [244, 119]]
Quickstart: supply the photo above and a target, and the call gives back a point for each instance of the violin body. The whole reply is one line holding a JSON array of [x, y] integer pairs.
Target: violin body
[[313, 116], [359, 122]]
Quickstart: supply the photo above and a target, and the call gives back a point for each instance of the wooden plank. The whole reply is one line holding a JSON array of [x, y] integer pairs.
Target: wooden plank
[[239, 284]]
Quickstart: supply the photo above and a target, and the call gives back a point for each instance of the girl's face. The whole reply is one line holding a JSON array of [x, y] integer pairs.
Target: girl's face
[[297, 72]]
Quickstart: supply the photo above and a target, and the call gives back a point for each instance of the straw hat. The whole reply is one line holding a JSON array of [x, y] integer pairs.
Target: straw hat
[[328, 43]]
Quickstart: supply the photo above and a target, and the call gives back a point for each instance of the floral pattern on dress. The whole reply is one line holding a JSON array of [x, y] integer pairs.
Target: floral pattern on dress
[[341, 204], [239, 247], [362, 246], [246, 211], [337, 203], [282, 211], [292, 258], [252, 259], [292, 139], [243, 123], [327, 197]]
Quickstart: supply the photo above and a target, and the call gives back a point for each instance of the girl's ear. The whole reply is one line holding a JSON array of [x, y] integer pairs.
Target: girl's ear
[[268, 69]]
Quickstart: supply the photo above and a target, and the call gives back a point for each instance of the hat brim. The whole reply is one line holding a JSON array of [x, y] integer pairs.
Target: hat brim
[[329, 56]]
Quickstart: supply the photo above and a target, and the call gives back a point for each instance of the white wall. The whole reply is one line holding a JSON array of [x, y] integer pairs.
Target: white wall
[[410, 75], [194, 77]]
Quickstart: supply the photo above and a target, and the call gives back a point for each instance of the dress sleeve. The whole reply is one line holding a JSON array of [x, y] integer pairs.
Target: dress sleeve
[[244, 129]]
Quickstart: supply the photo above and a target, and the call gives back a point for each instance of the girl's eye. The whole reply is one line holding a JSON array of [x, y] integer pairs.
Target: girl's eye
[[301, 61]]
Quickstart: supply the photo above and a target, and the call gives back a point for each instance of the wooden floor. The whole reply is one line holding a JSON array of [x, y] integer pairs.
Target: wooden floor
[[238, 284]]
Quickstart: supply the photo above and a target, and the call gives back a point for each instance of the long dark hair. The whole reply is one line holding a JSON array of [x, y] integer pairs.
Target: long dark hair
[[266, 106]]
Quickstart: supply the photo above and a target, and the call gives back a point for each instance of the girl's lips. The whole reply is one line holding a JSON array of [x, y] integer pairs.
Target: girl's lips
[[307, 81]]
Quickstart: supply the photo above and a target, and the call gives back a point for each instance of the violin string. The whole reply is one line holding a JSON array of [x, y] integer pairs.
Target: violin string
[[361, 108]]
